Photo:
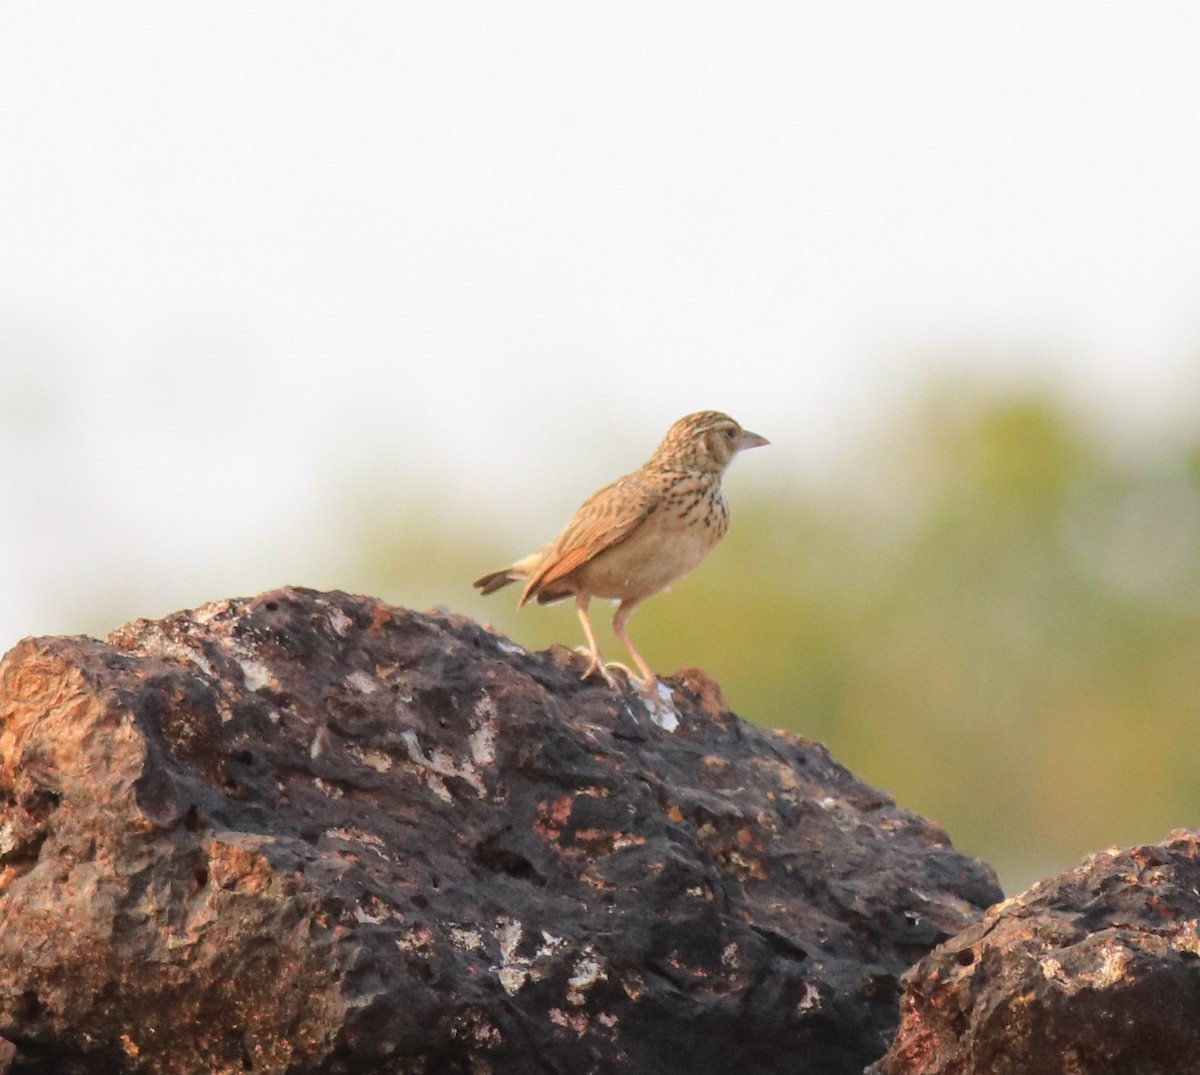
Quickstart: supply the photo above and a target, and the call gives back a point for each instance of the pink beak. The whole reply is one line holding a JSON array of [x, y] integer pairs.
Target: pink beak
[[751, 440]]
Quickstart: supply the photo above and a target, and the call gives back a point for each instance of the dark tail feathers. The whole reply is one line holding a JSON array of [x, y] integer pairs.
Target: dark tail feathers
[[497, 580]]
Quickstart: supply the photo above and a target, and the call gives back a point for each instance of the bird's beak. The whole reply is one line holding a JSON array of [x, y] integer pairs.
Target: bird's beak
[[751, 440]]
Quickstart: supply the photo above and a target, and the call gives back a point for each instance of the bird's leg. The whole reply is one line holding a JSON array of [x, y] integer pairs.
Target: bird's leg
[[623, 611], [593, 650]]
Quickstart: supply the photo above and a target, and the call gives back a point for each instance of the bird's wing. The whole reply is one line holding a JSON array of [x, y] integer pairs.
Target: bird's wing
[[605, 519]]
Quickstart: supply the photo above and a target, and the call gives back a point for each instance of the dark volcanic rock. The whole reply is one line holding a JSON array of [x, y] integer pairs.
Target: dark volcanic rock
[[1094, 972], [314, 833]]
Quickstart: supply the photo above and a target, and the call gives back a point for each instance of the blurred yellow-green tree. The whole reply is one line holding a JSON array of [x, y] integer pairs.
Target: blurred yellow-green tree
[[995, 615]]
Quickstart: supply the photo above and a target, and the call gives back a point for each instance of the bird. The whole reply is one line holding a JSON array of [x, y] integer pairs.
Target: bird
[[636, 536]]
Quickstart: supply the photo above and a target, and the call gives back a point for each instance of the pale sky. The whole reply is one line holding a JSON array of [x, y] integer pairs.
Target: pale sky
[[251, 247]]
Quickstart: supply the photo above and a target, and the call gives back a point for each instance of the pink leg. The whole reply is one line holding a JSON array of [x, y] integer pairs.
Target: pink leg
[[596, 665], [623, 611]]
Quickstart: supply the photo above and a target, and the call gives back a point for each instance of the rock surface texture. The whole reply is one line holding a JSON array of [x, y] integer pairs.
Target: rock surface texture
[[1093, 972], [315, 833]]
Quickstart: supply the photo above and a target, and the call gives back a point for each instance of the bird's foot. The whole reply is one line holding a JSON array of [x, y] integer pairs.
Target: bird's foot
[[604, 669], [595, 664], [646, 684], [645, 681]]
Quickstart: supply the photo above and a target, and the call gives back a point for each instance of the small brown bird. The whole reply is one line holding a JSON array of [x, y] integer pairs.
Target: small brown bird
[[635, 537]]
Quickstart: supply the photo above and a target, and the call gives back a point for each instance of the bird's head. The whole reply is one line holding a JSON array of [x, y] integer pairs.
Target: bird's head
[[706, 440]]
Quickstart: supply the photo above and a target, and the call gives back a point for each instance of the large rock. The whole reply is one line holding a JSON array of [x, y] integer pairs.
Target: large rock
[[1094, 972], [314, 833]]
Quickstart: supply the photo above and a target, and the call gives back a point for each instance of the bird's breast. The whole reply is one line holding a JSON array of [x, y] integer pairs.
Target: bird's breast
[[672, 540]]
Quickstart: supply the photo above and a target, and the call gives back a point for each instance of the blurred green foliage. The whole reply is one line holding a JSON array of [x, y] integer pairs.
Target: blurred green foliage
[[995, 616]]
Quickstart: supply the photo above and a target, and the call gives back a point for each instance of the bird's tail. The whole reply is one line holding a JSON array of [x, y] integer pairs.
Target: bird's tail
[[497, 580]]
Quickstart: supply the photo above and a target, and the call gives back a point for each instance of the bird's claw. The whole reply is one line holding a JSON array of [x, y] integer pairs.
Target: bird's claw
[[595, 664], [604, 668]]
